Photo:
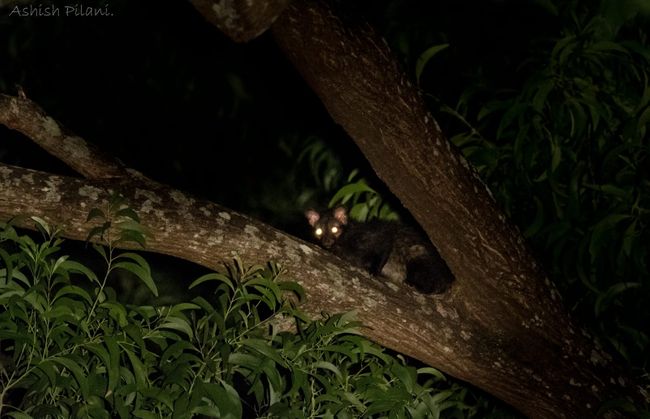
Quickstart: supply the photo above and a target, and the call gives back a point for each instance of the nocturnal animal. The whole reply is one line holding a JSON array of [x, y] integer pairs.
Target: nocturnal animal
[[385, 249]]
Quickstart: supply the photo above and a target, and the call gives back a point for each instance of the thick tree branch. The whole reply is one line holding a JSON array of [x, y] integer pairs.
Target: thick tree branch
[[515, 339], [208, 234], [241, 20], [25, 116]]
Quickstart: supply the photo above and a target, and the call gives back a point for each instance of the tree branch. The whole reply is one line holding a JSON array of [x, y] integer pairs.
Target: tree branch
[[208, 234], [25, 116], [241, 20]]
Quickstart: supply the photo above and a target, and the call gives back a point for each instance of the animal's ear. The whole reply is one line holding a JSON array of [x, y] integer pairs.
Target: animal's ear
[[312, 216], [341, 215]]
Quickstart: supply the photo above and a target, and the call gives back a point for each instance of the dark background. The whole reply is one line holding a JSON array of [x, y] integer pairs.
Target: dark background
[[171, 96]]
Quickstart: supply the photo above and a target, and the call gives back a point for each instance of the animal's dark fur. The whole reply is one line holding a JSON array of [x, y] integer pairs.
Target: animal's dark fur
[[383, 248]]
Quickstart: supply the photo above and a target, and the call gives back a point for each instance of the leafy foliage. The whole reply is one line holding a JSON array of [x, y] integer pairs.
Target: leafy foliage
[[326, 170], [567, 156], [365, 202], [69, 348], [324, 165]]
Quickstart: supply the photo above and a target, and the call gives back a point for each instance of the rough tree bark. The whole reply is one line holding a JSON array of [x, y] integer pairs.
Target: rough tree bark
[[241, 20], [501, 326], [505, 329]]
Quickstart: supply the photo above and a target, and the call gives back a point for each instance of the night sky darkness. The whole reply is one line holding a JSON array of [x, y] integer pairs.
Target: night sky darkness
[[167, 93], [161, 89]]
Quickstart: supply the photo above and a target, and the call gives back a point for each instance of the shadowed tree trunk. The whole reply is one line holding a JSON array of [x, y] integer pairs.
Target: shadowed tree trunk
[[241, 20], [501, 326]]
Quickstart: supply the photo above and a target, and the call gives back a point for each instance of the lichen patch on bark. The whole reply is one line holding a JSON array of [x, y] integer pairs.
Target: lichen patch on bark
[[90, 192]]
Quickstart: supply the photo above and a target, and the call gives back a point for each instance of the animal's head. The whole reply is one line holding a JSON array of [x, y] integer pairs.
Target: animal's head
[[327, 227]]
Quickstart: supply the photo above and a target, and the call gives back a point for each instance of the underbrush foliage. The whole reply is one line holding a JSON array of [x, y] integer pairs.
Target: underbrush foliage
[[567, 157], [70, 348]]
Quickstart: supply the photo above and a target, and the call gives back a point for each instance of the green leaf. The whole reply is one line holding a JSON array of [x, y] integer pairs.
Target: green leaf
[[432, 371], [425, 57], [130, 225], [42, 225], [128, 213], [644, 119], [143, 273], [346, 192], [20, 415], [47, 367], [95, 213], [113, 366], [294, 287], [115, 201], [76, 267], [77, 372], [117, 312], [101, 250], [441, 396], [613, 190], [93, 409], [139, 260], [176, 323], [612, 292], [175, 350], [99, 351], [178, 309], [407, 375], [226, 398], [599, 236], [98, 231], [539, 100], [204, 304], [538, 221], [20, 277], [215, 276], [74, 290], [556, 156], [145, 414], [131, 236], [509, 117], [329, 367], [360, 212], [36, 301], [135, 333], [246, 361], [264, 348], [139, 371], [7, 272], [181, 407], [563, 49], [607, 46]]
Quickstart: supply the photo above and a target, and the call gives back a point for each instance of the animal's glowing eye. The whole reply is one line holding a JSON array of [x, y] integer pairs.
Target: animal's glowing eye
[[335, 230], [319, 231]]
